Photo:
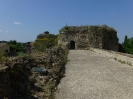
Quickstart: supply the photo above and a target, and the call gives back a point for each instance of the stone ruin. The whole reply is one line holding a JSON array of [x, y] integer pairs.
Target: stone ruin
[[19, 81], [84, 37]]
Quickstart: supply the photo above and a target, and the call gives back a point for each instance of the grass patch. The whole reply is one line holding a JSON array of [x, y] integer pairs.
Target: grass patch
[[123, 62], [22, 54], [4, 59]]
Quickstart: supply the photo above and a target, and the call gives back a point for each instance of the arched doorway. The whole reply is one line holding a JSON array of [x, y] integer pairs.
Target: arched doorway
[[72, 45]]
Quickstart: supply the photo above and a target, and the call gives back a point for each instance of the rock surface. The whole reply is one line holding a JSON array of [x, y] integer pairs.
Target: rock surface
[[92, 76]]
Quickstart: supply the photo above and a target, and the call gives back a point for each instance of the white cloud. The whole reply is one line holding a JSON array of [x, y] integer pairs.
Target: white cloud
[[7, 31], [17, 23]]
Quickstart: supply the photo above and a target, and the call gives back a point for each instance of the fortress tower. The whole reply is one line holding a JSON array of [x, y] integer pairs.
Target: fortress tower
[[83, 37]]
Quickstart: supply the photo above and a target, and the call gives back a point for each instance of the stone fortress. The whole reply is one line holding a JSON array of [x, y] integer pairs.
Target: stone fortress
[[84, 37]]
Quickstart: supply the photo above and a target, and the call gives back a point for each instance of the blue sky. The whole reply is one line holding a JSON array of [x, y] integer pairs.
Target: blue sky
[[23, 20]]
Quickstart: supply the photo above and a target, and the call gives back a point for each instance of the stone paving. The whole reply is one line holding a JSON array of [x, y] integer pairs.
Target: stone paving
[[92, 76]]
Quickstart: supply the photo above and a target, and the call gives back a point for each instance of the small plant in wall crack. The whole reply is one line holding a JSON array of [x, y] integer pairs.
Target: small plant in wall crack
[[123, 62], [115, 58], [129, 63]]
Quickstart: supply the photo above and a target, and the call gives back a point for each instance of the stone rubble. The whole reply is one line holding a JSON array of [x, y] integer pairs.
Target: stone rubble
[[17, 81]]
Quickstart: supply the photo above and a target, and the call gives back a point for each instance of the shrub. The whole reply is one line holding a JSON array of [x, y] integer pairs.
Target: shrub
[[44, 41]]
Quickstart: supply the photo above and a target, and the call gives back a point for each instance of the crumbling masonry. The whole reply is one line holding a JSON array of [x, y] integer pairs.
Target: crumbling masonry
[[84, 37]]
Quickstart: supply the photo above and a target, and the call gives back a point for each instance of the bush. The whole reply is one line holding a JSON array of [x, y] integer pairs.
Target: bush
[[44, 41], [21, 54], [127, 45]]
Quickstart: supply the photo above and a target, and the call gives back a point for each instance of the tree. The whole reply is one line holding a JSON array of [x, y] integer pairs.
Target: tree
[[15, 46], [127, 45]]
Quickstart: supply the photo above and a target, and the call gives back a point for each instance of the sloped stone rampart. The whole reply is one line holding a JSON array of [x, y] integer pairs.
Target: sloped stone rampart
[[91, 75], [122, 57]]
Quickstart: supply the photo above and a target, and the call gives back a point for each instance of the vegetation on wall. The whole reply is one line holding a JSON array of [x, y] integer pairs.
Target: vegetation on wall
[[45, 40], [86, 29]]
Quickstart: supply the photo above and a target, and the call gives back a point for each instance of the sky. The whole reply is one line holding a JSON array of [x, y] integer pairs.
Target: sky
[[23, 20]]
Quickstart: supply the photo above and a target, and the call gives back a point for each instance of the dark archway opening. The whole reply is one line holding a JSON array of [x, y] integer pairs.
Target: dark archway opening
[[72, 45]]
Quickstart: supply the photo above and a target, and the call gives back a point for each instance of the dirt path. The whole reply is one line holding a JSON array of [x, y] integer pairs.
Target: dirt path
[[93, 76]]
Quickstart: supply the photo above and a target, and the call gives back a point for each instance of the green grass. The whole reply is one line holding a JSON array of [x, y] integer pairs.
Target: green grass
[[4, 59], [22, 54]]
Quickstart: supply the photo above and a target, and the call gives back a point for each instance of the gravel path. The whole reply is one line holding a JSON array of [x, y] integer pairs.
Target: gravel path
[[92, 76]]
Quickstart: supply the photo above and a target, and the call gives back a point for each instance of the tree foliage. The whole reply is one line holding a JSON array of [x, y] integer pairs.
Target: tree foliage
[[127, 45], [15, 46]]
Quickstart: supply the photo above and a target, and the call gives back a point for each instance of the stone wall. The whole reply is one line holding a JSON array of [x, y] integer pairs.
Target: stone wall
[[4, 48], [85, 37]]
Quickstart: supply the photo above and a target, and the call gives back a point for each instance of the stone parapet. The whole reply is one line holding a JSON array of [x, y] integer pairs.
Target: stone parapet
[[122, 57]]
